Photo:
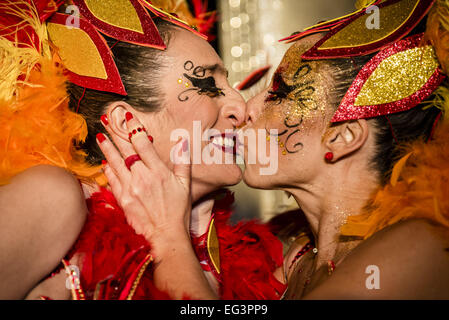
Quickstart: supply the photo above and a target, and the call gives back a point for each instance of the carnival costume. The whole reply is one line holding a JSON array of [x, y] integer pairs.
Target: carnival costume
[[41, 49]]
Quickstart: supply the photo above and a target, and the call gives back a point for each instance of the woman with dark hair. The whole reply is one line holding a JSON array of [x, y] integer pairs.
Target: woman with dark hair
[[363, 148], [176, 92]]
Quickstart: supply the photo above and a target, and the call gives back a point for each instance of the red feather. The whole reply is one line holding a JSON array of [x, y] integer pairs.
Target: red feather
[[207, 19], [249, 254], [111, 251]]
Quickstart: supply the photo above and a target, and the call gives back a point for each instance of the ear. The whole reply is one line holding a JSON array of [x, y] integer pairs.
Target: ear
[[116, 116], [346, 138]]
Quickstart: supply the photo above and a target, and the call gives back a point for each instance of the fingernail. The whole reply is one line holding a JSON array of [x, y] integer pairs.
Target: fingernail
[[100, 137], [104, 119], [185, 146], [150, 138], [104, 162], [128, 116]]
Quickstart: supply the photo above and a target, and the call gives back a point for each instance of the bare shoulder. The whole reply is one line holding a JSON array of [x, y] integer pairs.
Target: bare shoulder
[[408, 260], [414, 238], [42, 213], [44, 186], [45, 176]]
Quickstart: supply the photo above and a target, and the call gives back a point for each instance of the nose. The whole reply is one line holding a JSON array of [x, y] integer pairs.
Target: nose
[[254, 108], [235, 110]]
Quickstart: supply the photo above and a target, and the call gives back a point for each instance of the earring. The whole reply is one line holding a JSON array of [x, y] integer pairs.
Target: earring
[[329, 156]]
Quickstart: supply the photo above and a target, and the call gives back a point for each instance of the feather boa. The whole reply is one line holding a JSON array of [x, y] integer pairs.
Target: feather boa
[[249, 254], [36, 125], [111, 252]]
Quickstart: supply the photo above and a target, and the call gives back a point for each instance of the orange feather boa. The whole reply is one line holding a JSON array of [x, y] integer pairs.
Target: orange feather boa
[[419, 188], [37, 127]]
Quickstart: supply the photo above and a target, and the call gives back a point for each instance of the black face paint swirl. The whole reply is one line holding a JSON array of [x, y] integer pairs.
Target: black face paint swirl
[[201, 84], [301, 92], [292, 129]]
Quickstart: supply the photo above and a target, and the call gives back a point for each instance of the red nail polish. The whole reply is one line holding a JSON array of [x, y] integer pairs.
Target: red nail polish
[[185, 146], [100, 137], [104, 119], [150, 138], [128, 116]]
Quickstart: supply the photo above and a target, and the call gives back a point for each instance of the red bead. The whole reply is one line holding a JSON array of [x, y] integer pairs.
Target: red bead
[[134, 131], [128, 116], [150, 138], [139, 129], [130, 135], [329, 156]]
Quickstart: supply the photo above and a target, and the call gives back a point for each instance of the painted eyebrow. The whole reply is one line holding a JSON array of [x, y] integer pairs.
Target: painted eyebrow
[[217, 68]]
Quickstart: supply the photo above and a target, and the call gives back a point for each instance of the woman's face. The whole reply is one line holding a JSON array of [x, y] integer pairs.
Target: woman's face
[[295, 105], [198, 99]]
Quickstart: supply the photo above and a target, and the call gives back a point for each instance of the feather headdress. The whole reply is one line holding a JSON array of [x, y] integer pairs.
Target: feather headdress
[[38, 57]]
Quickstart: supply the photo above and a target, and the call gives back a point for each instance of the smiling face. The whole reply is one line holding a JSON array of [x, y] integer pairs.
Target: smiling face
[[198, 98], [296, 105]]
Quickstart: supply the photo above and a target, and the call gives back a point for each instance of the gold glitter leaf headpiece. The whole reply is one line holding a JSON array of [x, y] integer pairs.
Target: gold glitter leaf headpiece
[[75, 40], [83, 50], [353, 34], [404, 72], [396, 79]]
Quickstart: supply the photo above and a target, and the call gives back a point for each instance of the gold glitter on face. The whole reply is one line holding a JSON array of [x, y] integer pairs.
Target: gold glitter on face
[[298, 85]]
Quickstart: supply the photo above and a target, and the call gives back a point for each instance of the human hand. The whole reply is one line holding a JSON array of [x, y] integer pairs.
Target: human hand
[[156, 200]]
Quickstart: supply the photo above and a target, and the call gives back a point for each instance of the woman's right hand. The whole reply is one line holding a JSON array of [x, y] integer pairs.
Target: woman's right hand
[[157, 204], [155, 199]]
